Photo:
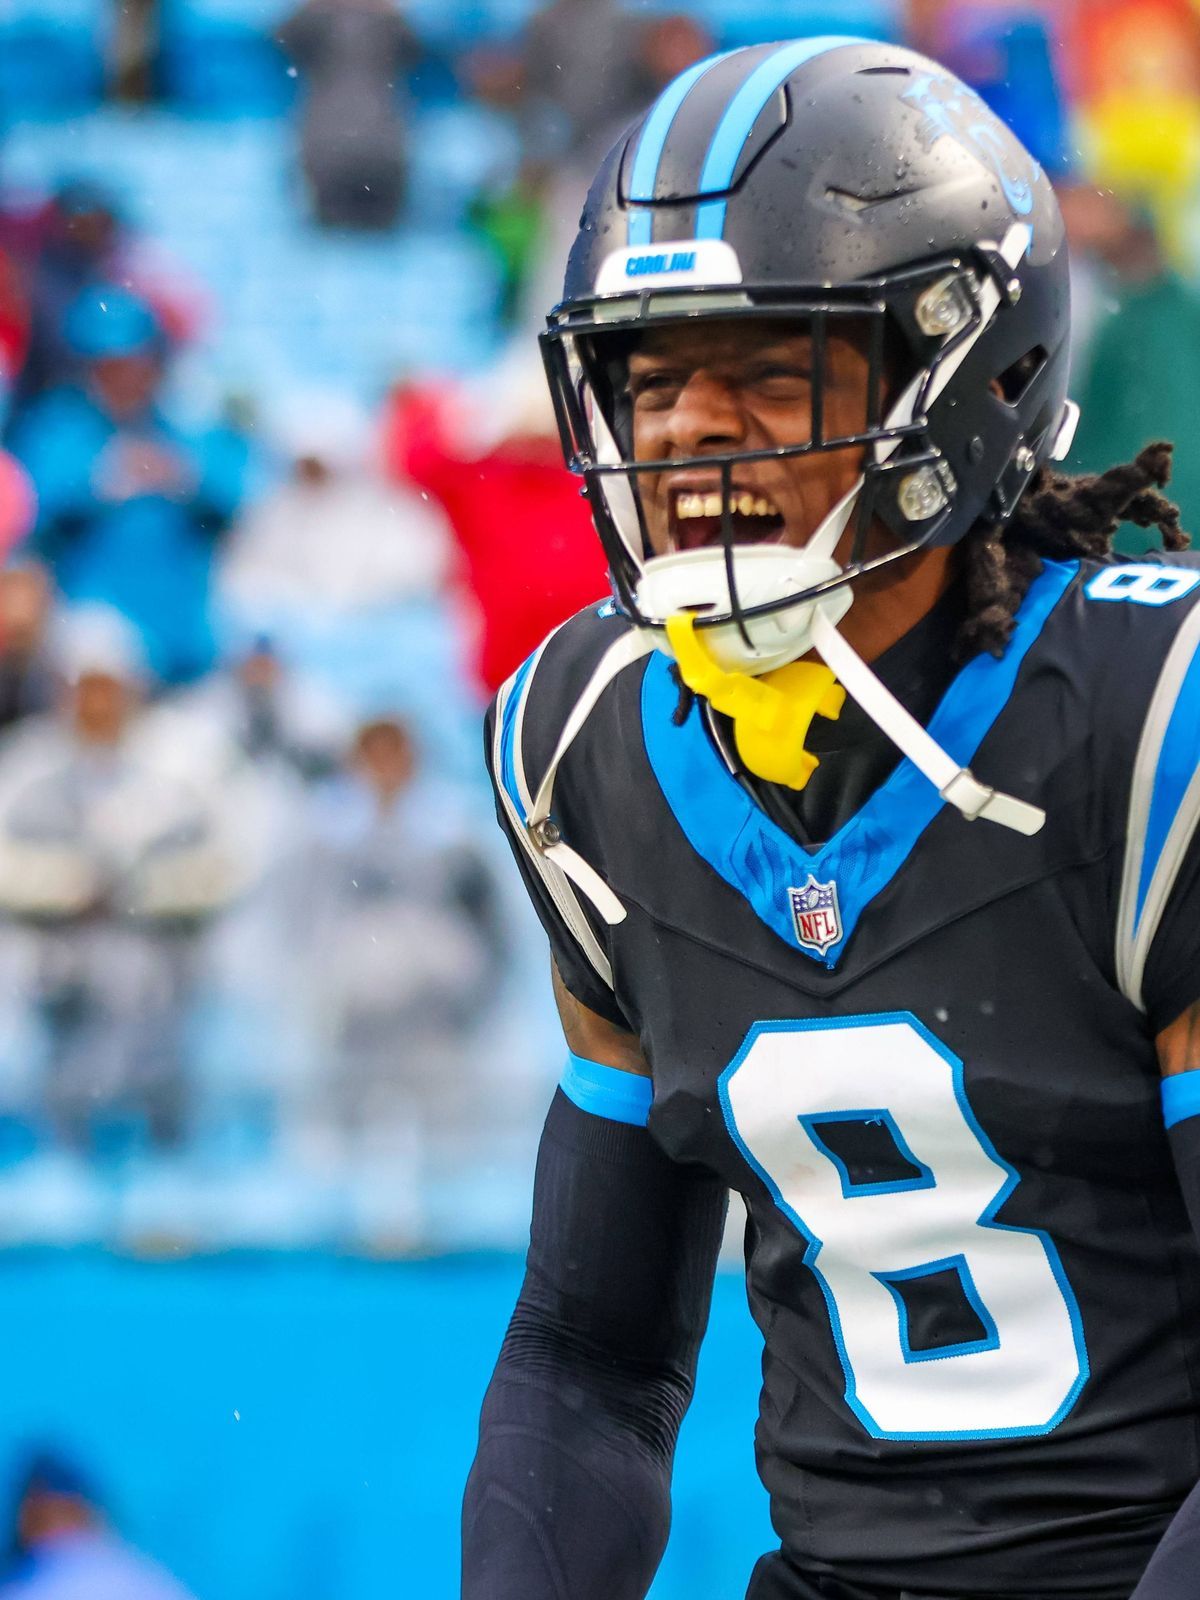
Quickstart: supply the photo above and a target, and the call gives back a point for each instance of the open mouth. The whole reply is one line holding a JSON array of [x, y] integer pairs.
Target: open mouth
[[694, 517]]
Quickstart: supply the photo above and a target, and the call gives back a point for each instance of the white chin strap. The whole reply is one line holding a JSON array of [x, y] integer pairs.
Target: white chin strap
[[693, 578], [957, 785], [782, 637]]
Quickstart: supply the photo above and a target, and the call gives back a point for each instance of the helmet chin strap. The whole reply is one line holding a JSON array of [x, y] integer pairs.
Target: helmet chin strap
[[957, 785], [772, 712], [827, 535]]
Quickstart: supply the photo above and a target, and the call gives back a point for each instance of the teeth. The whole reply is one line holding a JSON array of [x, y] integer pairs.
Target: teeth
[[689, 506]]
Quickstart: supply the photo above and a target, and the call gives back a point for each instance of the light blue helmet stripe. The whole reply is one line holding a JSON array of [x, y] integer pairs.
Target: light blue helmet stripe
[[653, 142], [740, 116]]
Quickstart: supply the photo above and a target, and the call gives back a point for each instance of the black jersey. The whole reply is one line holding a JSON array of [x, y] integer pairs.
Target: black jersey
[[923, 1051]]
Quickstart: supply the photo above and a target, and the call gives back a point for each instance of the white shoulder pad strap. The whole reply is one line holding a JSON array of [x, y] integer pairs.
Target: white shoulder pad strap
[[562, 870], [1164, 806]]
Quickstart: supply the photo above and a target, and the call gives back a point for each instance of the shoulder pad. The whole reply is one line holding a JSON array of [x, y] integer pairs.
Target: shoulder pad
[[554, 677], [1148, 615], [538, 714]]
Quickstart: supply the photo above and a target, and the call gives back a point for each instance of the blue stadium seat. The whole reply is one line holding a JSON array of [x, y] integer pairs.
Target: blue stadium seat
[[454, 151], [444, 24], [51, 57], [218, 57], [292, 304], [742, 22]]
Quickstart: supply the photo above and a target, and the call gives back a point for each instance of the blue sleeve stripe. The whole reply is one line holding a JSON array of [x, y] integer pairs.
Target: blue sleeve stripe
[[607, 1091], [1177, 761], [1181, 1096], [508, 770]]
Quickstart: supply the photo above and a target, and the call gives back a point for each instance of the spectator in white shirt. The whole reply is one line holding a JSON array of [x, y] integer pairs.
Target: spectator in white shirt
[[401, 951], [119, 842], [336, 538]]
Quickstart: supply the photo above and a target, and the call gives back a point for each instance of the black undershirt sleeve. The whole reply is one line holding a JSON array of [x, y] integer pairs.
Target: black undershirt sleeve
[[569, 1494]]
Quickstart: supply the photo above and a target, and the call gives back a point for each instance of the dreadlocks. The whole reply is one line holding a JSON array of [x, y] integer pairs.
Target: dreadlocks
[[1060, 517]]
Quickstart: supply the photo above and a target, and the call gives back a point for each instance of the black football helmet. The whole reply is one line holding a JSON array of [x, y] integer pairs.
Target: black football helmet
[[817, 181]]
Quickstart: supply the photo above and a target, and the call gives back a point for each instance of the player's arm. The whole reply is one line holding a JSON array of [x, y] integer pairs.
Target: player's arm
[[1178, 1048], [592, 1037], [1178, 1045], [1171, 1574], [569, 1494]]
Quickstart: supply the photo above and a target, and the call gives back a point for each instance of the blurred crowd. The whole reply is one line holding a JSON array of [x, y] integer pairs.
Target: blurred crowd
[[235, 690], [252, 941], [263, 978], [62, 1545]]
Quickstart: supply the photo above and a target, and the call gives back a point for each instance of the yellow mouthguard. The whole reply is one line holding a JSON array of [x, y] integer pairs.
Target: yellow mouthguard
[[771, 714]]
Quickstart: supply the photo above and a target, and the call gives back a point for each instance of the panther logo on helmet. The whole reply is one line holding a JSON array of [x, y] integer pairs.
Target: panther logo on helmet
[[952, 109]]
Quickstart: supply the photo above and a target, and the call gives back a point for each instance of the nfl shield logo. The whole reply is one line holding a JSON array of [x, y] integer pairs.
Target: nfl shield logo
[[816, 915]]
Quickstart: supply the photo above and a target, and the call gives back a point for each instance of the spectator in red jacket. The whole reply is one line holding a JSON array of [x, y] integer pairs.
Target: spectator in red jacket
[[530, 556], [14, 320]]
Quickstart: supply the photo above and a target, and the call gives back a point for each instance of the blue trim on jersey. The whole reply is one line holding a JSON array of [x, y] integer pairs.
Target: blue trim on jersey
[[742, 112], [657, 127], [508, 766], [1181, 1096], [1177, 759], [986, 1220], [965, 1347], [607, 1091], [758, 858], [850, 1189]]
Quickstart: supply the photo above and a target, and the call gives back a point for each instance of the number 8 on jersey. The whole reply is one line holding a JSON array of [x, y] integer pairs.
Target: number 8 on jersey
[[878, 1244]]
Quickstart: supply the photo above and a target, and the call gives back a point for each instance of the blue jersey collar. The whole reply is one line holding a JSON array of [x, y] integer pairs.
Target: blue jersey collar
[[765, 864]]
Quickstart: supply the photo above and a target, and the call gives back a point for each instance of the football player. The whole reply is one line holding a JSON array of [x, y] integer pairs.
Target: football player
[[861, 821]]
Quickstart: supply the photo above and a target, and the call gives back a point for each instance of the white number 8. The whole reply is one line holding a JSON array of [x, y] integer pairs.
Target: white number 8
[[1025, 1371], [1143, 583]]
